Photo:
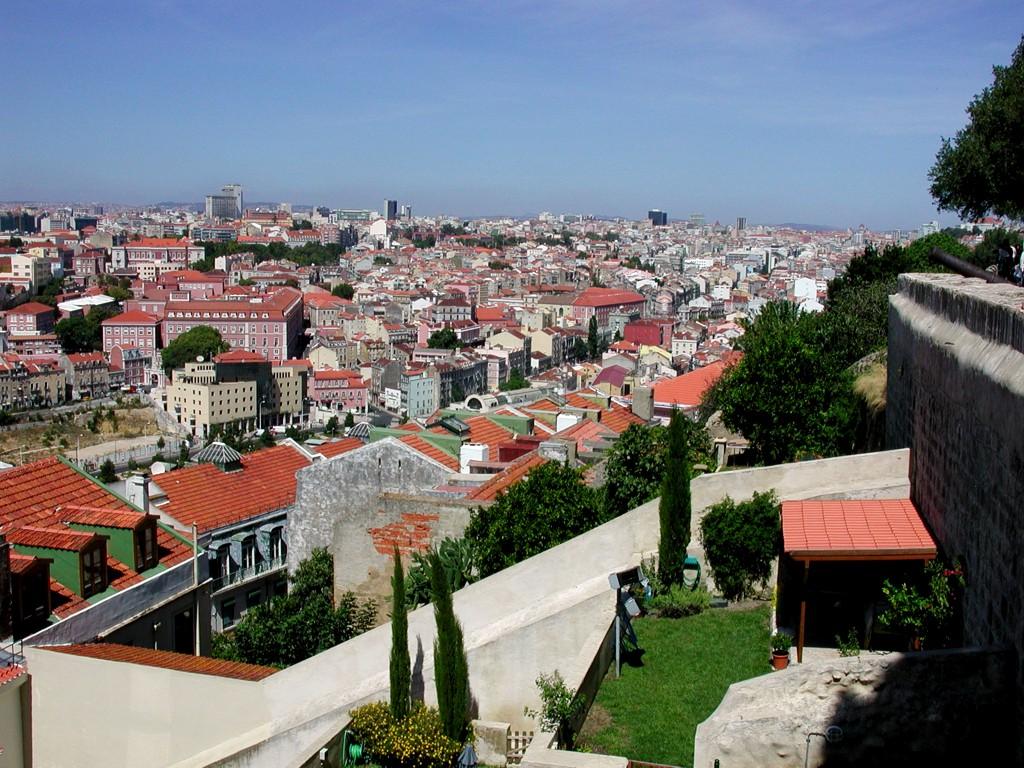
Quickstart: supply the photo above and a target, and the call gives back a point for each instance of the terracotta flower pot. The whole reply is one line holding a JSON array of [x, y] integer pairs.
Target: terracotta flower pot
[[780, 659]]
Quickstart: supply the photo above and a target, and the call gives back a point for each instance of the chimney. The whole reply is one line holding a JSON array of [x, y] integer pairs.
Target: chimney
[[471, 452], [643, 402], [137, 489], [561, 451]]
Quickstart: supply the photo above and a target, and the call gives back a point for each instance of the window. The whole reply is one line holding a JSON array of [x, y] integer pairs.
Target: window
[[94, 576], [253, 598], [249, 553], [227, 613], [145, 548], [278, 548]]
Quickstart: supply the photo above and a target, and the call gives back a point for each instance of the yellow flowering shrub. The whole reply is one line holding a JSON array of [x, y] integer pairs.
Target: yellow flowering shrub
[[414, 742]]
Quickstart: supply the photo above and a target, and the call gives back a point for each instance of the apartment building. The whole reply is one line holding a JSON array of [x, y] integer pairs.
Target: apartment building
[[180, 253], [268, 325], [133, 329], [31, 319], [30, 383], [237, 387]]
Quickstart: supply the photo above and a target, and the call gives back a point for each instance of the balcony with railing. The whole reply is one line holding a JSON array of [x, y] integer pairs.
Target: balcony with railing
[[249, 572]]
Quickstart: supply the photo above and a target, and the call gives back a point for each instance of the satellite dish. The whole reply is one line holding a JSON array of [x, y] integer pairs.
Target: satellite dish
[[199, 358]]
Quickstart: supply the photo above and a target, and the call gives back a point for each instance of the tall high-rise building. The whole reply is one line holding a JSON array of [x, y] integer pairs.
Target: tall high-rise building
[[658, 218], [406, 212], [227, 204], [741, 223], [696, 219], [390, 210]]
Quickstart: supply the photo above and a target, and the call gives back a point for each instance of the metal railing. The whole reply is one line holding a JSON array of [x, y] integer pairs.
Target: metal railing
[[249, 572]]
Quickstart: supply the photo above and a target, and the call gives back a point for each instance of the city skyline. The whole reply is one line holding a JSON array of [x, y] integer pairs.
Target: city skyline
[[784, 114]]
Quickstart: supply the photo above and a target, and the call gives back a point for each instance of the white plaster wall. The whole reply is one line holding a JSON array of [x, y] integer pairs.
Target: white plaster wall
[[88, 712], [12, 723], [551, 611]]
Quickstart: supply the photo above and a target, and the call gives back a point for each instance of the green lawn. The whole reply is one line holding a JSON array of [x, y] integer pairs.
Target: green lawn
[[651, 713]]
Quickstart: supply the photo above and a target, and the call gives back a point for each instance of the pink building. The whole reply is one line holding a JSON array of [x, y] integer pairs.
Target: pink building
[[344, 390], [156, 250], [601, 302], [133, 329], [31, 319], [269, 325], [657, 333]]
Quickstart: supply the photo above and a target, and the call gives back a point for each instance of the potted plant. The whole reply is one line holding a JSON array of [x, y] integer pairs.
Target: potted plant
[[781, 641]]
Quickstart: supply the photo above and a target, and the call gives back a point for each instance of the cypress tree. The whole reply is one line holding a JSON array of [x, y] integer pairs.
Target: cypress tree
[[451, 670], [401, 668], [674, 506]]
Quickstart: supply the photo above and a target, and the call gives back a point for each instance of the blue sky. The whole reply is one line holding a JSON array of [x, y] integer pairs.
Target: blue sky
[[803, 111]]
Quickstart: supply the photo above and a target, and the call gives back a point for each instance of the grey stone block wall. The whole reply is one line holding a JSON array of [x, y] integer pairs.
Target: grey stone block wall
[[956, 399], [333, 493]]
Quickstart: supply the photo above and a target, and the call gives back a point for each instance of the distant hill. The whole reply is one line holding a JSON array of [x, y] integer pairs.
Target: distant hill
[[812, 227]]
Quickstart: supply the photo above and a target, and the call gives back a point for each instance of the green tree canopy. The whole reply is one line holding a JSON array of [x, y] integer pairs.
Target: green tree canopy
[[83, 334], [344, 291], [740, 541], [674, 511], [593, 338], [400, 666], [636, 464], [302, 623], [451, 669], [551, 505], [443, 339], [986, 253], [981, 169], [516, 380], [199, 341], [789, 394]]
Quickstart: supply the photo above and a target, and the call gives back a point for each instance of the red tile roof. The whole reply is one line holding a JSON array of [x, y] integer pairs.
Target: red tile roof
[[30, 308], [211, 498], [21, 563], [512, 474], [51, 538], [180, 662], [339, 447], [240, 356], [875, 529], [132, 317], [687, 390], [29, 493], [105, 518], [432, 451], [606, 297], [618, 419], [9, 673]]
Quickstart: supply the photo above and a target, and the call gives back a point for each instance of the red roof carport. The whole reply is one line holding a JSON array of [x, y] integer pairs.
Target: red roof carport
[[849, 530]]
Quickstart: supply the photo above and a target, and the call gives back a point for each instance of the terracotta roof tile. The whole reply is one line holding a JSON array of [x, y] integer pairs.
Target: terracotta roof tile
[[834, 529], [105, 518], [180, 662], [210, 498], [51, 538], [618, 419], [339, 447], [11, 672], [687, 390], [512, 474], [432, 451]]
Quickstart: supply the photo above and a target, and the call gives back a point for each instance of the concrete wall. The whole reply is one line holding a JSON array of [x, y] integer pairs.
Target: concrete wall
[[956, 398], [365, 537], [153, 716], [329, 492], [14, 724], [550, 612], [933, 708], [864, 476]]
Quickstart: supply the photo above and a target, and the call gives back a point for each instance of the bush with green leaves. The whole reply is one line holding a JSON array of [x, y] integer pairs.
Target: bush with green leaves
[[550, 505], [306, 621], [740, 542], [560, 707], [459, 566], [925, 607], [679, 601], [415, 741]]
